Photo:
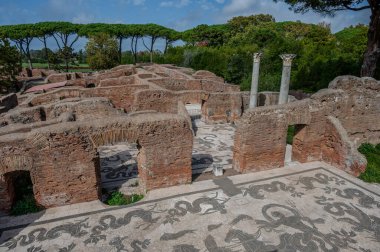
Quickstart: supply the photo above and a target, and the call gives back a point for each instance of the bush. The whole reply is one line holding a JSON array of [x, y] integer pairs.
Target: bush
[[102, 51], [290, 134], [117, 199], [24, 206], [372, 153]]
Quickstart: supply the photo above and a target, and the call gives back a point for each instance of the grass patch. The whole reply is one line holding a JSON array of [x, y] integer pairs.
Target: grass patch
[[290, 134], [25, 205], [372, 153], [117, 199]]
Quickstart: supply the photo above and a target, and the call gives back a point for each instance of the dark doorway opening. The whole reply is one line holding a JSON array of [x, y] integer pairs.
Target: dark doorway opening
[[23, 201]]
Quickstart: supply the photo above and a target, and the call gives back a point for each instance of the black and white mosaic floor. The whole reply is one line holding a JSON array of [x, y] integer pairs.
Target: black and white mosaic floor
[[118, 166], [304, 210], [212, 145]]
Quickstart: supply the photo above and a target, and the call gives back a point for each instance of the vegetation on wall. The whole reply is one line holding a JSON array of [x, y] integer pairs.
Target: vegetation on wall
[[372, 153], [24, 197], [117, 199]]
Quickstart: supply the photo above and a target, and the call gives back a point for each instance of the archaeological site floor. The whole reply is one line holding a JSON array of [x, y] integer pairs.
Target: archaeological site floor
[[310, 207], [213, 145]]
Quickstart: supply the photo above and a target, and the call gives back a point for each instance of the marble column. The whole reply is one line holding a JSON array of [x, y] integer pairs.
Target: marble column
[[255, 80], [285, 79]]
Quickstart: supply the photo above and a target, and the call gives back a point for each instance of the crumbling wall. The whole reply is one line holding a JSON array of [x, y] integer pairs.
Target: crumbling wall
[[338, 150], [329, 127], [8, 102], [207, 75], [222, 107], [121, 96], [260, 138], [178, 84], [124, 80], [164, 159], [214, 86], [359, 114], [158, 100]]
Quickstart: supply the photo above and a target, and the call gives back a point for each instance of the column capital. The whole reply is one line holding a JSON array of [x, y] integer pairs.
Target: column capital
[[287, 59], [257, 57]]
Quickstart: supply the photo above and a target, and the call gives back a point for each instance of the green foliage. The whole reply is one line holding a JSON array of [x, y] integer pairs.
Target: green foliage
[[102, 51], [9, 66], [117, 199], [224, 49], [238, 24], [23, 192], [290, 134], [25, 205], [372, 153], [211, 35], [323, 6]]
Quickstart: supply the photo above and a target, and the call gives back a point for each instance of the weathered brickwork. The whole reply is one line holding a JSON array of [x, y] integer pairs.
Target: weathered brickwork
[[330, 126], [55, 135]]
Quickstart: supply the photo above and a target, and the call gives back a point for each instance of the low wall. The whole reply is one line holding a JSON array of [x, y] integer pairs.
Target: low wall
[[329, 127], [164, 159], [222, 107], [8, 102], [121, 96]]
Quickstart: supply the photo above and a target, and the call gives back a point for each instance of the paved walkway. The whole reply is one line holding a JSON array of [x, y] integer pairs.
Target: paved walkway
[[312, 207]]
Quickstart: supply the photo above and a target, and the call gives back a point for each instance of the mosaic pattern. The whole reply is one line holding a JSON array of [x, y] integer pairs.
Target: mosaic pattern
[[315, 210], [118, 165], [212, 145]]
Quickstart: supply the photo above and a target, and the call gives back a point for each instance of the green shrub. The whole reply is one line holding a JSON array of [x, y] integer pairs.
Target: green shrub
[[26, 205], [290, 135], [117, 199], [372, 153]]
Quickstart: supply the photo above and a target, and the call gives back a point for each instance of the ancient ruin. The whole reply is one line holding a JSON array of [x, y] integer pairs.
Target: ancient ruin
[[167, 117]]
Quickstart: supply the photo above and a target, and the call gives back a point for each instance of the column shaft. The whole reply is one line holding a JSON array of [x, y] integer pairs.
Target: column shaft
[[255, 80]]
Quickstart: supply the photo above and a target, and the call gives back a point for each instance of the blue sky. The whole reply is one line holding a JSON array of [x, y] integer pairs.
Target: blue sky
[[177, 14]]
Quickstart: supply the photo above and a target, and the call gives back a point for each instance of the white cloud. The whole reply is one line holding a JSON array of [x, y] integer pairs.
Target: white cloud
[[177, 4], [83, 18], [133, 2], [138, 2], [219, 1]]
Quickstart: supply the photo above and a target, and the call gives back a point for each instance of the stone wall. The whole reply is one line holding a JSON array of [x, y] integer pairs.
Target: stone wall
[[121, 96], [164, 159], [329, 127], [8, 102], [222, 107]]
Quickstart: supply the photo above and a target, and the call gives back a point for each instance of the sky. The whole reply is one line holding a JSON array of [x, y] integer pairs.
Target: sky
[[176, 14]]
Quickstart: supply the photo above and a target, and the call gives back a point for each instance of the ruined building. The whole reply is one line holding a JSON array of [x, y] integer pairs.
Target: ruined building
[[56, 134]]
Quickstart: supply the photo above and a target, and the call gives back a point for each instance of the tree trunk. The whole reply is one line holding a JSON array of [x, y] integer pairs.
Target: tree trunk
[[151, 49], [30, 64], [46, 53], [166, 46], [137, 39], [29, 58], [372, 54], [67, 65]]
